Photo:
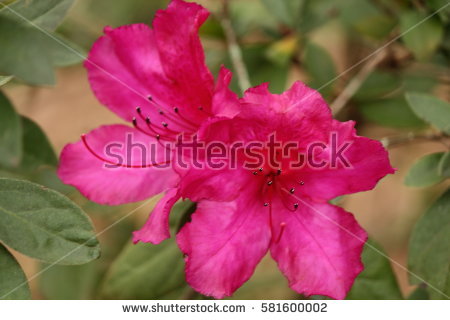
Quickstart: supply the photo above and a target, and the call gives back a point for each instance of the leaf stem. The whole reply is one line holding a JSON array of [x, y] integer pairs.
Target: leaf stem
[[354, 84], [233, 47]]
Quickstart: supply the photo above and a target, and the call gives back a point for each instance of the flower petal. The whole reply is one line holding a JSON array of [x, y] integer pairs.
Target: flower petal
[[369, 162], [223, 244], [181, 52], [156, 229], [319, 249], [130, 63], [105, 183]]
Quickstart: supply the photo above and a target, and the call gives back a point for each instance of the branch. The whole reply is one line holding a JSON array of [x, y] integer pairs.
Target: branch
[[390, 142], [233, 48], [354, 85]]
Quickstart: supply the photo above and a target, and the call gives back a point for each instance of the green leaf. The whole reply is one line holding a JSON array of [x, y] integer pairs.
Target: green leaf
[[10, 134], [13, 283], [37, 149], [366, 18], [25, 52], [424, 172], [287, 11], [47, 14], [65, 53], [44, 224], [377, 85], [320, 66], [444, 166], [393, 112], [430, 109], [5, 79], [70, 282], [420, 293], [146, 271], [377, 281], [429, 249], [421, 37], [30, 49]]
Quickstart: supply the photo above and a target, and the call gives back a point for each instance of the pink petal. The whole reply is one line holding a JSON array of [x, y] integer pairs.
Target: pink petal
[[156, 229], [80, 168], [225, 102], [369, 162], [223, 244], [181, 52], [132, 62], [319, 249]]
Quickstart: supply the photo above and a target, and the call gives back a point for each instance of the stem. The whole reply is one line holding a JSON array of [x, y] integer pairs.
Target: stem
[[410, 137], [233, 48], [354, 84]]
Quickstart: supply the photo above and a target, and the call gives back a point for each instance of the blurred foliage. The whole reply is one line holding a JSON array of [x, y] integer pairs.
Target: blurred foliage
[[321, 42]]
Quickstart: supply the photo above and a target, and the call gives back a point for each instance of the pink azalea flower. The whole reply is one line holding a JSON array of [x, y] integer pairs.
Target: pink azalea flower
[[163, 72], [242, 214]]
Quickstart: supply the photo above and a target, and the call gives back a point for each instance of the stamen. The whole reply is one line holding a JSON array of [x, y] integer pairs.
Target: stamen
[[292, 190], [266, 204], [175, 110], [295, 206], [302, 183], [164, 124], [83, 138], [269, 183], [255, 173], [278, 172], [260, 169], [150, 98]]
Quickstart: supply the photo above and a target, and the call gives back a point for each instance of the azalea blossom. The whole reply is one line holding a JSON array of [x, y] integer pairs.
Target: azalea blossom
[[156, 80], [244, 213]]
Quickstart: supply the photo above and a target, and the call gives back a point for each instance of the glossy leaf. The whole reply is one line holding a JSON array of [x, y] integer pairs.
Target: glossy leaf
[[393, 112], [377, 281], [146, 271], [13, 283], [424, 172], [10, 134], [430, 109], [429, 249], [286, 11], [420, 36], [44, 224]]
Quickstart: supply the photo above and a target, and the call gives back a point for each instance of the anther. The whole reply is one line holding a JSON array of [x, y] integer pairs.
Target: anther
[[161, 112], [269, 183], [260, 169], [164, 124], [157, 137], [175, 110], [138, 110], [255, 173], [134, 121], [150, 98], [147, 120], [200, 108], [266, 204], [292, 190], [278, 172], [302, 183], [295, 205]]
